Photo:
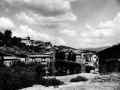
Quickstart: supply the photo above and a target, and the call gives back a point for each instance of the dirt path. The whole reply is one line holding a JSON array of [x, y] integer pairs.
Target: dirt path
[[77, 85], [66, 79], [89, 86]]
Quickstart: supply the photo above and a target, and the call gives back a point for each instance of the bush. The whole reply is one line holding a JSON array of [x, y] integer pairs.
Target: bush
[[6, 80], [4, 77], [19, 81], [23, 64], [16, 79], [18, 63], [40, 70], [78, 78], [54, 82], [41, 81], [26, 79], [50, 70], [32, 64], [50, 82]]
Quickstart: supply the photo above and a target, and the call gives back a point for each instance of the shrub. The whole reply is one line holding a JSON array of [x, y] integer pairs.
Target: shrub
[[26, 79], [50, 70], [6, 78], [39, 70], [41, 81], [19, 69], [18, 63], [23, 64], [50, 82], [32, 64], [16, 79], [19, 77], [78, 78], [54, 82]]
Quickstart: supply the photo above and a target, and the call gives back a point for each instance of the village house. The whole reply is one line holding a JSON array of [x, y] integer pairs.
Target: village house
[[109, 59], [26, 40], [9, 60], [86, 57], [37, 45]]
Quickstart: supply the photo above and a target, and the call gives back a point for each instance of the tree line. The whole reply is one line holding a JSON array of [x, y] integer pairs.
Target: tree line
[[6, 39]]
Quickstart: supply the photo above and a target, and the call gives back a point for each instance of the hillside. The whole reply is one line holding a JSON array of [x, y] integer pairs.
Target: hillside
[[93, 49], [61, 47]]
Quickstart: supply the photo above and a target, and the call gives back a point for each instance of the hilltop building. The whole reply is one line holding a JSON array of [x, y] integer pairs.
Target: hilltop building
[[26, 40], [37, 45]]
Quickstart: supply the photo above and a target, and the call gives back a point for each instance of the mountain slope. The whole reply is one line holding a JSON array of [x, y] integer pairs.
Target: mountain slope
[[64, 47], [93, 49]]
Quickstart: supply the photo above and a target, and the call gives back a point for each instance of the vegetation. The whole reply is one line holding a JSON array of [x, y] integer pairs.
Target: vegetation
[[78, 78], [13, 80], [17, 77], [6, 39], [21, 75], [40, 70], [50, 82], [13, 44], [106, 78]]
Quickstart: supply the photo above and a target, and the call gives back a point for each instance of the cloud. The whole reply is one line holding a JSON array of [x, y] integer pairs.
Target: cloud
[[6, 23], [96, 32], [47, 14], [21, 32], [22, 16], [58, 41], [114, 25], [3, 7], [67, 32], [60, 18], [87, 26], [118, 1], [107, 24], [55, 21], [45, 7], [46, 21], [72, 0], [104, 34], [67, 17]]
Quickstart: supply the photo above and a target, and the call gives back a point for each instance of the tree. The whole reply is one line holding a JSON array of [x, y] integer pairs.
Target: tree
[[1, 43], [1, 36], [7, 38], [8, 34], [16, 41], [1, 39]]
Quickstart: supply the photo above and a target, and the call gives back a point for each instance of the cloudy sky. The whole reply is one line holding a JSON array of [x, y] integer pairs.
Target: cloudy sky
[[75, 23]]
